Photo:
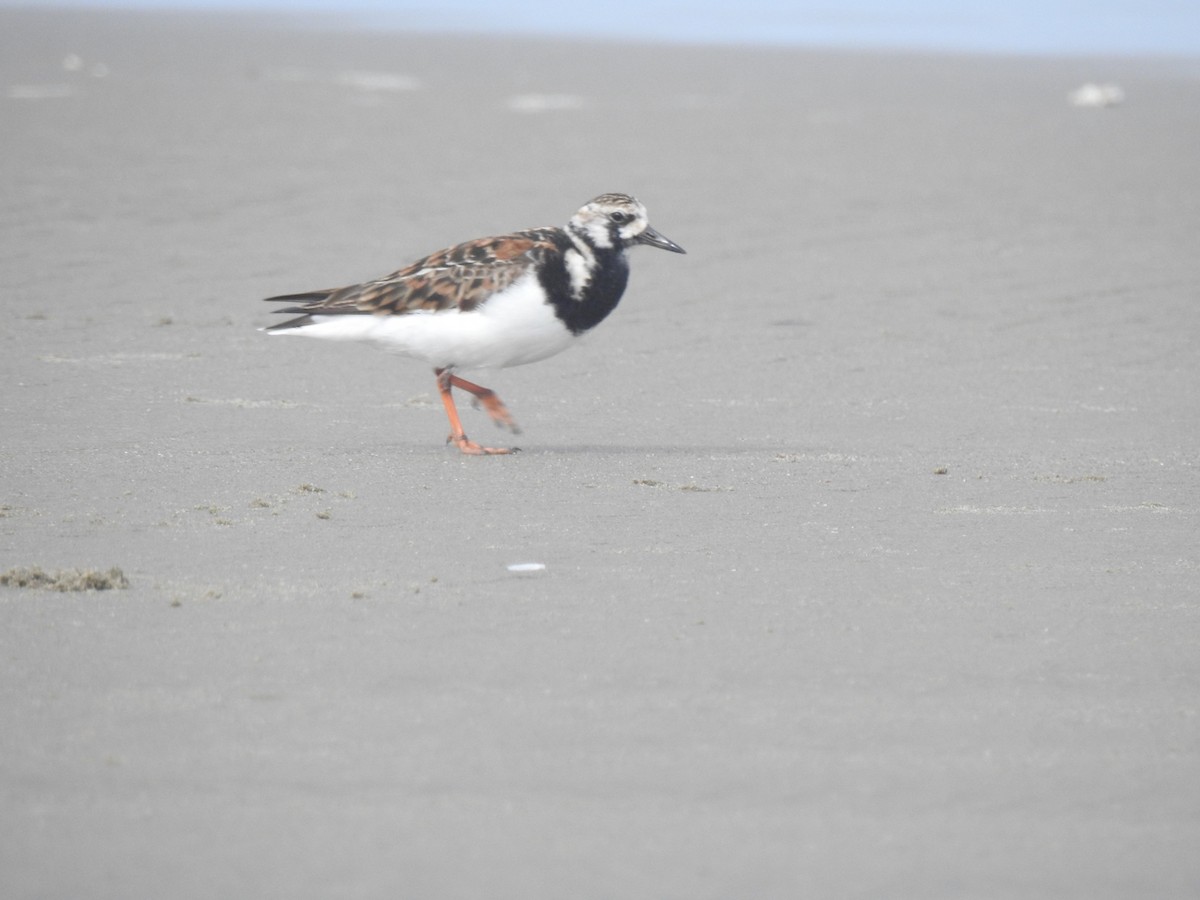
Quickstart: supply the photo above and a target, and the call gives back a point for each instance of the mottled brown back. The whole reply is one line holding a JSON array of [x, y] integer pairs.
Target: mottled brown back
[[459, 277]]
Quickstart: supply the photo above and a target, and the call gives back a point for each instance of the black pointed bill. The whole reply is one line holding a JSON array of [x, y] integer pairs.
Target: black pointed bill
[[654, 239]]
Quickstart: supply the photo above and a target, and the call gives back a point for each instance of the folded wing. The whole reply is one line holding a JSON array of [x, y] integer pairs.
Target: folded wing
[[460, 277]]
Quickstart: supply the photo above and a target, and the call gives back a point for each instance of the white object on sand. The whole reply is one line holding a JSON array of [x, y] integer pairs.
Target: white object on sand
[[1096, 95], [527, 567], [539, 103]]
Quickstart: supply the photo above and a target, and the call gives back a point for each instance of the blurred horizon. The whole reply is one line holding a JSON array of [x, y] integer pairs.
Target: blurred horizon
[[1021, 27]]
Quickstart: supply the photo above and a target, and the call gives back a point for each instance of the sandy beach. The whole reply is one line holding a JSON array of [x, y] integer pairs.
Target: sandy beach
[[869, 527]]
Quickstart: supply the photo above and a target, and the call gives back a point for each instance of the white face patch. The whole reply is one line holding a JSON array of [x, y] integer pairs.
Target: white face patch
[[596, 229], [630, 232]]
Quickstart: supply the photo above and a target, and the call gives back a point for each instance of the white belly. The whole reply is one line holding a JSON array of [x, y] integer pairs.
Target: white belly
[[513, 327]]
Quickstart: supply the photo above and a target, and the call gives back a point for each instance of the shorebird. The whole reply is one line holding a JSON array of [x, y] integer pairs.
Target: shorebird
[[488, 303]]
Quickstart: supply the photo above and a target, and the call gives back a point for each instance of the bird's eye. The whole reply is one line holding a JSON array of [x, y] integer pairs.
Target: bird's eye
[[620, 217]]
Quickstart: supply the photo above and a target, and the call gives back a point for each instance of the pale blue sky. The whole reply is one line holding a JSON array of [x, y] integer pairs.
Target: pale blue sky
[[1158, 27]]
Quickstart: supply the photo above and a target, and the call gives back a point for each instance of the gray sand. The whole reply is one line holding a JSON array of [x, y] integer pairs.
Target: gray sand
[[870, 526]]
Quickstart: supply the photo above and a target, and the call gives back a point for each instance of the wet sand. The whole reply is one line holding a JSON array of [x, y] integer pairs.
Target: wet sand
[[869, 527]]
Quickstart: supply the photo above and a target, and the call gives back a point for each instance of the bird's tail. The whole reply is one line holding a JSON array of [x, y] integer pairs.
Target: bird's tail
[[300, 305]]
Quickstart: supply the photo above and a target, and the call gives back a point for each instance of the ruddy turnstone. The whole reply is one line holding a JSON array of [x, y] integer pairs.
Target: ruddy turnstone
[[489, 303]]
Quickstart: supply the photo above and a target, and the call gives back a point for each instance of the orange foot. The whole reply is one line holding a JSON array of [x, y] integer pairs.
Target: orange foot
[[468, 446]]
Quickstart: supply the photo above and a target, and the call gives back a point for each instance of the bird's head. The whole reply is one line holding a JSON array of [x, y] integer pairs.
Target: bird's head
[[618, 220]]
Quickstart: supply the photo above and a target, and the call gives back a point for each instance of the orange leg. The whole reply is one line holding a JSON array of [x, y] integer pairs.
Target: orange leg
[[487, 398], [490, 401]]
